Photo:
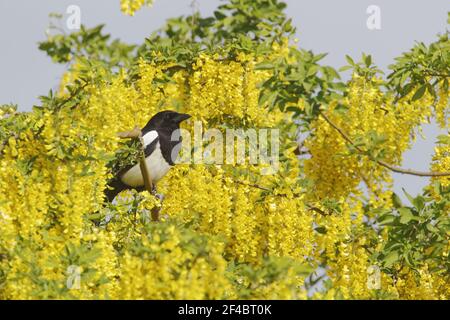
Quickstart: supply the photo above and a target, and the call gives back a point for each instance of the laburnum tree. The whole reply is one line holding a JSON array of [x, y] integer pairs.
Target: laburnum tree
[[325, 225]]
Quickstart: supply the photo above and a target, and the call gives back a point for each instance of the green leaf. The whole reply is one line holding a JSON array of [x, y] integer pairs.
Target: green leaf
[[405, 215], [396, 201], [269, 98], [345, 68], [419, 93], [349, 60], [407, 89], [419, 203], [430, 89], [219, 15], [410, 198], [321, 230], [264, 66], [368, 60], [390, 259], [319, 57], [437, 187], [308, 108], [432, 228], [386, 219], [311, 71]]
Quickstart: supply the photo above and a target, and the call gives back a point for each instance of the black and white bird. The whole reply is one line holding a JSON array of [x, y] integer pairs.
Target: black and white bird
[[162, 144]]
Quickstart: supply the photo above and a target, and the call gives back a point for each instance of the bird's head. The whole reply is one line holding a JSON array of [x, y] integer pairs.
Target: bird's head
[[167, 120]]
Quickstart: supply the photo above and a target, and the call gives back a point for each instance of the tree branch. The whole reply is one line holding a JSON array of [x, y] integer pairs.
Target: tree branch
[[310, 207], [72, 95], [380, 162]]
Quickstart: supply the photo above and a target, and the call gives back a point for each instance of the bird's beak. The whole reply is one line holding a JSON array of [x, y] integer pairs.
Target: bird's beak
[[181, 117]]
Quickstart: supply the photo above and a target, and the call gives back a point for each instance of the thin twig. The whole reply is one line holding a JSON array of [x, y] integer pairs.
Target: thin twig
[[253, 185], [72, 95], [320, 211], [380, 162]]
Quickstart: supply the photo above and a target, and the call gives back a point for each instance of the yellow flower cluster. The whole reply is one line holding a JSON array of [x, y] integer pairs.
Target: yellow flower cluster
[[129, 7], [441, 107], [441, 163], [58, 239], [441, 157], [171, 263], [52, 183], [278, 226], [335, 168], [338, 170], [222, 89], [422, 284]]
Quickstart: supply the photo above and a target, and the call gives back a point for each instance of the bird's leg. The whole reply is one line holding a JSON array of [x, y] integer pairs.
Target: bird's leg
[[156, 210]]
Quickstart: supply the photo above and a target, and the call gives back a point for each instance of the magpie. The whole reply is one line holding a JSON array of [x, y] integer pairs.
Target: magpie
[[162, 144]]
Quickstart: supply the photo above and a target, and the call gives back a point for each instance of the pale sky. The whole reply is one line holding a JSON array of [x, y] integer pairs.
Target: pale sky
[[336, 27]]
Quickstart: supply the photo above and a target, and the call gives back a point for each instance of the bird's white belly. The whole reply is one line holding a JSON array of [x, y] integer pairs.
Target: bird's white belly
[[156, 164]]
